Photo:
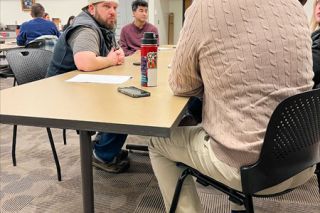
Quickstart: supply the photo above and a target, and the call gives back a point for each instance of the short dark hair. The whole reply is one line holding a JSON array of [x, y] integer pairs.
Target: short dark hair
[[135, 4], [37, 10]]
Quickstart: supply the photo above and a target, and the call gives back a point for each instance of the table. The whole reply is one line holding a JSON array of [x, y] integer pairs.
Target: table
[[5, 70], [88, 107], [9, 46]]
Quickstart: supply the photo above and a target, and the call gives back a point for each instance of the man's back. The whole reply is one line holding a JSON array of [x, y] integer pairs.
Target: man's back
[[247, 56], [34, 28]]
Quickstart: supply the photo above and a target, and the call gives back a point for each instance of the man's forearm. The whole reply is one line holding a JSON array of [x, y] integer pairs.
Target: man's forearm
[[88, 61]]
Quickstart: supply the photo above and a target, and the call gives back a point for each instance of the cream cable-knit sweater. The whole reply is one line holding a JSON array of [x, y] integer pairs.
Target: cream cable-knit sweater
[[243, 57]]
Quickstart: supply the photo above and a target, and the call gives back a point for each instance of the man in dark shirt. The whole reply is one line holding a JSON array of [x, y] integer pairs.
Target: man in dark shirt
[[131, 34], [36, 27]]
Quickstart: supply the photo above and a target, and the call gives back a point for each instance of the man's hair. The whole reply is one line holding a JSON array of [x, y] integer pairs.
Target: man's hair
[[135, 4], [37, 10]]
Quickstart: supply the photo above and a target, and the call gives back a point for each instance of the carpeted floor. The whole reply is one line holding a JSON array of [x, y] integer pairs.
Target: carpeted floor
[[32, 185]]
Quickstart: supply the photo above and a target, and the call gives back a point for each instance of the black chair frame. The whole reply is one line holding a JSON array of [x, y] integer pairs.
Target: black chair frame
[[291, 145], [19, 59]]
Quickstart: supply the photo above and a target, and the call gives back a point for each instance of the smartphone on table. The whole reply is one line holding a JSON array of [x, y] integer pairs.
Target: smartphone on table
[[133, 92]]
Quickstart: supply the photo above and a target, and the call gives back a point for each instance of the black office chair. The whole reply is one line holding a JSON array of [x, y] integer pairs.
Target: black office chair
[[30, 65], [291, 145], [5, 70], [46, 42]]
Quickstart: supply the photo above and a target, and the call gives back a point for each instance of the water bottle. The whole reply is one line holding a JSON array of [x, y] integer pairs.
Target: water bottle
[[149, 58]]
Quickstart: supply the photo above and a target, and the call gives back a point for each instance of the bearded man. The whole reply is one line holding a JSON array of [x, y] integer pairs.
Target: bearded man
[[88, 45]]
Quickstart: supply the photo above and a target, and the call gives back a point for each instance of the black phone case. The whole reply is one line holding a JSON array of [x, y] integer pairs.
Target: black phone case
[[133, 92]]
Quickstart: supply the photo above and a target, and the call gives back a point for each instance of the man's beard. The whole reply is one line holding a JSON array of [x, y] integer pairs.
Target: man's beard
[[103, 23]]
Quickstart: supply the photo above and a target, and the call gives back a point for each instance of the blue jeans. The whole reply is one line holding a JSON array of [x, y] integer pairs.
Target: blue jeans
[[109, 145]]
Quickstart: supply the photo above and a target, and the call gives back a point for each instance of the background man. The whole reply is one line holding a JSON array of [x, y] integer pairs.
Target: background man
[[89, 44], [36, 27], [131, 34], [46, 16]]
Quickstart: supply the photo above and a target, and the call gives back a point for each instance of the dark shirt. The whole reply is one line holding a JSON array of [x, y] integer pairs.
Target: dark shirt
[[34, 28], [316, 56], [131, 35]]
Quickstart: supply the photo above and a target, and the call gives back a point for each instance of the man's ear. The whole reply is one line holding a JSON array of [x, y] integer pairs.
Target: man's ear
[[91, 9]]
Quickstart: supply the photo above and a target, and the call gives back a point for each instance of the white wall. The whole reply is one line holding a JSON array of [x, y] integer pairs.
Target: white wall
[[158, 15], [308, 8], [11, 11], [176, 7]]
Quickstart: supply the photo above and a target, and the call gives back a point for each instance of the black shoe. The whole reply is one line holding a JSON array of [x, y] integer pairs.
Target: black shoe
[[119, 164], [188, 120], [238, 211], [123, 155]]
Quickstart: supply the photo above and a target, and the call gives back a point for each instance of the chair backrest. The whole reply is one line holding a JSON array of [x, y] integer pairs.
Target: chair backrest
[[46, 42], [28, 64], [291, 143]]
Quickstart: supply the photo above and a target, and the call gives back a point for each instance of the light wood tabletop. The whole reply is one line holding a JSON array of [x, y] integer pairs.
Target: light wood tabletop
[[53, 102], [9, 46], [92, 106]]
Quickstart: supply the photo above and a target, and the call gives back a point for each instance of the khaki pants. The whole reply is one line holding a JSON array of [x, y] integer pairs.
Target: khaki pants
[[189, 146]]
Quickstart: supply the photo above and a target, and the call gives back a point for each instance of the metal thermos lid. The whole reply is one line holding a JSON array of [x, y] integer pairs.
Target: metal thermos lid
[[149, 38]]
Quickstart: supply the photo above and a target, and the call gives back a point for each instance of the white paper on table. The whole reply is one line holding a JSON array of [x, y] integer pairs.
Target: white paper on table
[[102, 79], [165, 48]]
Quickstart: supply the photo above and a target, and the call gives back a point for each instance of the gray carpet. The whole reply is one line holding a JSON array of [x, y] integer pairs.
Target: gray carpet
[[32, 185]]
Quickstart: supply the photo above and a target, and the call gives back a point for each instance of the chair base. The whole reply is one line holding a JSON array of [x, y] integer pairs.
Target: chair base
[[54, 153], [234, 195], [131, 147]]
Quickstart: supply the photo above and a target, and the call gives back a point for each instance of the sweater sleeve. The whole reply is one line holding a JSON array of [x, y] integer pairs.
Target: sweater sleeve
[[185, 78]]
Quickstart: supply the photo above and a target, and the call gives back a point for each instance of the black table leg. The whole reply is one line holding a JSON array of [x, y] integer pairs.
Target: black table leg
[[86, 172]]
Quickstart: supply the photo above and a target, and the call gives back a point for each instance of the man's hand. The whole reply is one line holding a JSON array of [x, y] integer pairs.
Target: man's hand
[[120, 56], [113, 57]]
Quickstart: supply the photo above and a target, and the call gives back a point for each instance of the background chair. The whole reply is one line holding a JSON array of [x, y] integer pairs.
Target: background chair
[[291, 145], [30, 65], [5, 70], [46, 42]]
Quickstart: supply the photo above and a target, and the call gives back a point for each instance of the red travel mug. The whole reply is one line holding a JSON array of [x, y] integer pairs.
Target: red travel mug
[[149, 56]]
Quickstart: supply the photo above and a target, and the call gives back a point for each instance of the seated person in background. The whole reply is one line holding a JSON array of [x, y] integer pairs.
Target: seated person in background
[[70, 21], [315, 28], [89, 45], [131, 34], [242, 73], [36, 27], [46, 16]]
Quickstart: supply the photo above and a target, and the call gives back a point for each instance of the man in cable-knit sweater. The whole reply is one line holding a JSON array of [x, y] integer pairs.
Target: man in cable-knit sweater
[[242, 57]]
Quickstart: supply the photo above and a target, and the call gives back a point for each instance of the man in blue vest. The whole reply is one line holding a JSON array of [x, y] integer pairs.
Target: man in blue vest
[[87, 45]]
